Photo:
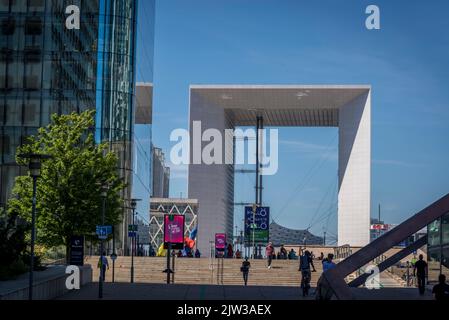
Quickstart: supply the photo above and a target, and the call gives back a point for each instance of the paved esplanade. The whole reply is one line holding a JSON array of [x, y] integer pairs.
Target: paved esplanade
[[127, 291], [143, 291]]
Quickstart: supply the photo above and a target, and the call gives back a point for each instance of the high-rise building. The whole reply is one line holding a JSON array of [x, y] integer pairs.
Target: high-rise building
[[141, 178], [438, 248], [161, 175], [48, 67]]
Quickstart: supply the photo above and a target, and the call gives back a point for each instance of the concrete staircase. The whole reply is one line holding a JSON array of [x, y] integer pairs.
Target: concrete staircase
[[206, 271]]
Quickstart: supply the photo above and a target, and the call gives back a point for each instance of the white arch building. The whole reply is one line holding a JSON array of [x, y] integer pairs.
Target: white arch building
[[347, 107]]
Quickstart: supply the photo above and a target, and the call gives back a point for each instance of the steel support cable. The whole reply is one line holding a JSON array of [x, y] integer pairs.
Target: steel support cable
[[328, 191], [335, 198], [306, 178]]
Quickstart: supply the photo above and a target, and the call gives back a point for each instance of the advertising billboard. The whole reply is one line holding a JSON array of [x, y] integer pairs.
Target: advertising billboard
[[220, 241], [258, 229], [76, 251], [174, 231]]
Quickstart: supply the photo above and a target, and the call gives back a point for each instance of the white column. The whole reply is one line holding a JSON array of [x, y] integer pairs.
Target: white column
[[211, 184], [354, 200]]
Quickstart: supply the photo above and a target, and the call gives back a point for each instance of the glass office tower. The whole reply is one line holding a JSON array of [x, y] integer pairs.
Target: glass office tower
[[46, 68], [438, 248]]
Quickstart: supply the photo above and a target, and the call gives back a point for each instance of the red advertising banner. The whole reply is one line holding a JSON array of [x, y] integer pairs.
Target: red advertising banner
[[379, 227], [220, 241], [174, 230]]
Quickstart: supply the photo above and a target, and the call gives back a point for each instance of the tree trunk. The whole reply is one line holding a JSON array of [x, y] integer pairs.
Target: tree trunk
[[67, 251]]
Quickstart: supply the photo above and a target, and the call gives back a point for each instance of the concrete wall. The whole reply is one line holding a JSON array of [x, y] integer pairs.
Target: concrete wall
[[354, 171], [48, 284], [212, 185]]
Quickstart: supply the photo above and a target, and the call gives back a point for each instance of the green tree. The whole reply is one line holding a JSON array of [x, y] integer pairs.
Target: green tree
[[69, 198], [13, 245]]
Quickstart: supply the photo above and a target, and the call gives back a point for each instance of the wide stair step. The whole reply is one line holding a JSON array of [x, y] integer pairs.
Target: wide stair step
[[206, 271]]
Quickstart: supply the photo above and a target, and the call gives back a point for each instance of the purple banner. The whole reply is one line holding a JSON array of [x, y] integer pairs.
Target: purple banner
[[220, 241], [174, 230]]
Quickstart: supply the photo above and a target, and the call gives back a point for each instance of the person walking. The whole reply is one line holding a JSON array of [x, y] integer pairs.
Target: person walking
[[420, 271], [103, 265], [269, 251], [245, 270], [328, 263], [305, 262], [321, 256], [441, 290]]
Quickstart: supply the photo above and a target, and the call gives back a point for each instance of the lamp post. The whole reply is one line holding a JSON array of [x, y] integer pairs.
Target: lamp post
[[104, 194], [254, 230], [133, 207], [34, 166]]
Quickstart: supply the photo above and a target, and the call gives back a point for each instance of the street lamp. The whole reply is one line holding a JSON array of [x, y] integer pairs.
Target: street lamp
[[254, 229], [34, 165], [133, 207], [104, 194]]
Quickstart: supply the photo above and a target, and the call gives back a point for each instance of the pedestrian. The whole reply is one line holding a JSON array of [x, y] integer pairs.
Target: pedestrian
[[328, 263], [292, 254], [441, 290], [103, 265], [230, 251], [420, 271], [245, 270], [269, 251], [283, 252], [312, 256], [321, 256], [238, 254], [304, 267]]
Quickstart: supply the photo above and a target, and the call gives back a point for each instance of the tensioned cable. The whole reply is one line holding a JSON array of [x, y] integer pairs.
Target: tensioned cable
[[307, 178], [323, 200]]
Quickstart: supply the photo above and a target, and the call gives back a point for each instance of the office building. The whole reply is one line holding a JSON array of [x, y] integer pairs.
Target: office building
[[225, 107], [438, 248], [161, 174], [48, 68]]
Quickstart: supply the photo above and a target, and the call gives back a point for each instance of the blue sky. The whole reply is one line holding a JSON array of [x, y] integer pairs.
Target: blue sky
[[316, 42]]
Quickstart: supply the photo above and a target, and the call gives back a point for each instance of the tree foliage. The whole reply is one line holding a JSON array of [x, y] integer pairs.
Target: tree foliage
[[69, 198], [13, 245]]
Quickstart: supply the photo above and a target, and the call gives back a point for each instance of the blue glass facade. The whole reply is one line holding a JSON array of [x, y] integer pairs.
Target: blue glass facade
[[438, 248], [46, 68]]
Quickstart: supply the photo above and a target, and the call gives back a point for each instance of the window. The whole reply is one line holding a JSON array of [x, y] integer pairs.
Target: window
[[4, 5], [434, 263], [5, 145], [13, 113], [2, 75], [33, 76], [8, 26], [31, 112], [434, 233], [33, 26], [32, 54], [15, 75], [37, 5], [445, 229], [18, 5]]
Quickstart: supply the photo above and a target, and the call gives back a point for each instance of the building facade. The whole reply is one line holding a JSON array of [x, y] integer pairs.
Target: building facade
[[161, 174], [47, 68], [438, 248], [142, 163], [161, 206], [223, 108]]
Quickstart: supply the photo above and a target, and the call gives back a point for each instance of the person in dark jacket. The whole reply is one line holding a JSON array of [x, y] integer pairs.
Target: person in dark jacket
[[420, 271], [245, 270]]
